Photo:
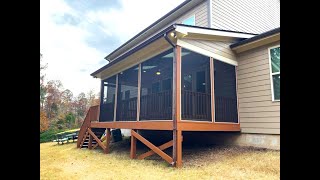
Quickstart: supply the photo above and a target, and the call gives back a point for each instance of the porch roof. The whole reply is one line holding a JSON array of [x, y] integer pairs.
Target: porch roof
[[258, 40], [181, 31]]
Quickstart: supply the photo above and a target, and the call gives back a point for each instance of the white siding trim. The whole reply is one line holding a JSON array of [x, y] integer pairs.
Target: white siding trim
[[206, 52], [270, 69], [212, 32]]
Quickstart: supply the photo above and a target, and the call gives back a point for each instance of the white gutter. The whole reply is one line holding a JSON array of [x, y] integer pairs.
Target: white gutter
[[210, 13]]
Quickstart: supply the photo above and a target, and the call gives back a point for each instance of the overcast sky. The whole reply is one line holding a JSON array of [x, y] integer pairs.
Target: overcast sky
[[75, 35]]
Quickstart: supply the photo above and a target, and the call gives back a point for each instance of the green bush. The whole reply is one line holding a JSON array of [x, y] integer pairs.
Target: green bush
[[49, 135]]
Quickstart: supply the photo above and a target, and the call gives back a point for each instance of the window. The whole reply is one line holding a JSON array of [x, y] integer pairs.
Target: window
[[225, 92], [274, 60], [156, 101], [190, 21], [127, 95], [195, 86], [108, 99]]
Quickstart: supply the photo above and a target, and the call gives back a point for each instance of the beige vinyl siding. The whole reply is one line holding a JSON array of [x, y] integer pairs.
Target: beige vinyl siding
[[201, 15], [217, 47], [255, 16], [257, 112]]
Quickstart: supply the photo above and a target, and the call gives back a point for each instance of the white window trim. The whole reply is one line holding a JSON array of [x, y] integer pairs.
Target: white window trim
[[194, 19], [271, 74]]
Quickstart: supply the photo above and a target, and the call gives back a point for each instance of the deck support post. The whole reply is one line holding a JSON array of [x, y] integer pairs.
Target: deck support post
[[179, 149], [90, 141], [108, 138], [133, 149]]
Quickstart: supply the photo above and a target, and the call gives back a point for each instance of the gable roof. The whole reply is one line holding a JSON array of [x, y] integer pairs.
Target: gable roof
[[255, 38]]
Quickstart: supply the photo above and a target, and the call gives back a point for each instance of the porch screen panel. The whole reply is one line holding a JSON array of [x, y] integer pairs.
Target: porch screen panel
[[108, 99], [127, 95], [225, 93], [195, 86], [156, 87]]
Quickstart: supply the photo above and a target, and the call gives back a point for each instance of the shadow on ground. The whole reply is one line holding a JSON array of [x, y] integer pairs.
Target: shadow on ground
[[194, 154]]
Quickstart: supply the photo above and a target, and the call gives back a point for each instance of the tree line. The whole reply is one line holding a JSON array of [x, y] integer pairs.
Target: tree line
[[59, 108]]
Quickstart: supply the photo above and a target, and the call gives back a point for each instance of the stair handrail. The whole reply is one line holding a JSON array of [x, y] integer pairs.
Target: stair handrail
[[92, 115]]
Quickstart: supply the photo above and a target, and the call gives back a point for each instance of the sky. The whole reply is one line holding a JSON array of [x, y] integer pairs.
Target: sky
[[76, 35]]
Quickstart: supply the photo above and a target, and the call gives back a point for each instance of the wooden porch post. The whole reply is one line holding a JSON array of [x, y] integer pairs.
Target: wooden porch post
[[177, 134], [133, 146]]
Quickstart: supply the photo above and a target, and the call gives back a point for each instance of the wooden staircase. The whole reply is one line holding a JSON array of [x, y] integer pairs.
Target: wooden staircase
[[92, 115], [91, 137], [98, 132]]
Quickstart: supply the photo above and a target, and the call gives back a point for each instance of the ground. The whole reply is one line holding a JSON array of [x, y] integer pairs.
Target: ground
[[210, 162]]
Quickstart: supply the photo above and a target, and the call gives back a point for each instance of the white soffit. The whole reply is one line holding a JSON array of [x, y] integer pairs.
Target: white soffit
[[206, 52], [185, 30]]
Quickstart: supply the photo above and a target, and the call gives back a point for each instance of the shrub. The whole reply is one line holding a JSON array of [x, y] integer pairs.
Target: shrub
[[49, 135]]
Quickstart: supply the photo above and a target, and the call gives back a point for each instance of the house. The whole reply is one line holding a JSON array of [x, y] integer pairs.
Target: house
[[207, 65]]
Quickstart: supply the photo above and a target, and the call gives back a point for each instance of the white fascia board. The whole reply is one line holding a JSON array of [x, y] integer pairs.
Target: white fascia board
[[206, 52], [186, 30]]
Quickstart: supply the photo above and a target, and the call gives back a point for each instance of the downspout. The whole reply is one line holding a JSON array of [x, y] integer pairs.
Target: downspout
[[209, 13], [165, 35], [174, 103]]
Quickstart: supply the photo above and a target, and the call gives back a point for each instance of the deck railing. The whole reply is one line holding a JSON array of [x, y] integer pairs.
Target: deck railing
[[226, 109], [196, 105], [127, 110], [156, 106]]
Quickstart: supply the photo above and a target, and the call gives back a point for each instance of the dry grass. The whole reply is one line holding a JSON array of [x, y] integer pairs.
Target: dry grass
[[68, 162]]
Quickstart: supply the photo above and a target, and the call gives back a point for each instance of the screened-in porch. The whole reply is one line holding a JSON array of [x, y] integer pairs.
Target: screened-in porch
[[144, 92]]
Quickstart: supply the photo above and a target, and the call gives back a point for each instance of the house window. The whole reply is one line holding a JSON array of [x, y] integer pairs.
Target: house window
[[190, 21], [274, 58], [108, 99]]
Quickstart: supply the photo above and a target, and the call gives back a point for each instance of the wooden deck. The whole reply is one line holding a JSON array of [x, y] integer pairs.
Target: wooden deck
[[182, 125]]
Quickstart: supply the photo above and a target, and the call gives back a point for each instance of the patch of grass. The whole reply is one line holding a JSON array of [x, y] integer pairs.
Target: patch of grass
[[212, 162]]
